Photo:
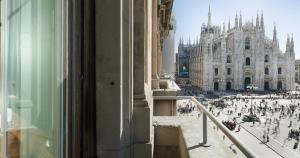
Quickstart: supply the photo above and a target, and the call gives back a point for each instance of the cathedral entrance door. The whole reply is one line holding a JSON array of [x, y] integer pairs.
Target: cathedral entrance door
[[266, 86], [216, 86], [247, 82], [279, 85], [228, 86]]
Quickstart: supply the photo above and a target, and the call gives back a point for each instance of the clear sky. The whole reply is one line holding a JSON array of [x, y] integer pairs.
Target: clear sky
[[190, 14]]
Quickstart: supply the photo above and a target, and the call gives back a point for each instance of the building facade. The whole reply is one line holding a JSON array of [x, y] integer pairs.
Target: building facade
[[238, 57], [183, 60], [297, 71], [168, 53], [77, 77]]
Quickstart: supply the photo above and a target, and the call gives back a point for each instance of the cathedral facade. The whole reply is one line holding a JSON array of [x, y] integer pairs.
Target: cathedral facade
[[239, 58]]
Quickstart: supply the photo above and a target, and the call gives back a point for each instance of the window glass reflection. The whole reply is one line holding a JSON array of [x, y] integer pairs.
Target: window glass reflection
[[33, 78]]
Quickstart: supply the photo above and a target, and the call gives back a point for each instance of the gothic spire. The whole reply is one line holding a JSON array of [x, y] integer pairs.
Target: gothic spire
[[257, 20], [209, 16], [236, 20], [241, 20], [229, 24], [292, 44], [224, 29], [288, 43], [275, 34], [181, 41], [262, 20], [252, 22]]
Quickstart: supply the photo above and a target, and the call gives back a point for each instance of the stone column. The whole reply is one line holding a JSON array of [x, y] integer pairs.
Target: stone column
[[113, 20], [139, 48], [155, 80], [143, 101]]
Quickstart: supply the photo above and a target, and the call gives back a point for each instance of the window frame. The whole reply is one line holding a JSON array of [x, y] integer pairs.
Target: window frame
[[216, 70], [279, 71], [228, 71], [228, 59], [247, 43]]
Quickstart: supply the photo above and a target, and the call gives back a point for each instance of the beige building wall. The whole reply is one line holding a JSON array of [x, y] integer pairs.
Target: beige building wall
[[128, 65], [168, 54]]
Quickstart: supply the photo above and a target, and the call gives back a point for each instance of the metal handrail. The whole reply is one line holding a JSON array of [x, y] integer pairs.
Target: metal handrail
[[242, 147]]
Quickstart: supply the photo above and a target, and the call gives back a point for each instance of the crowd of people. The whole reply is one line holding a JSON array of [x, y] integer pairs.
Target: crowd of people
[[268, 111], [186, 108]]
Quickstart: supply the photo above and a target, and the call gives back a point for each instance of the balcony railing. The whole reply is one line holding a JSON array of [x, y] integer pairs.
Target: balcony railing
[[240, 145]]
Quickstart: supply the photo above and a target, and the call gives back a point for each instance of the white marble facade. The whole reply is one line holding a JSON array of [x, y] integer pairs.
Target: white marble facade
[[240, 56]]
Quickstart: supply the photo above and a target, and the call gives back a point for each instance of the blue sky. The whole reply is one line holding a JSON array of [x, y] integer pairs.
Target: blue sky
[[190, 14]]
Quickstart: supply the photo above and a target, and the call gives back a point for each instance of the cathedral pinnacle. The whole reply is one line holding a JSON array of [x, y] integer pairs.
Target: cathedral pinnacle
[[257, 20], [209, 16], [236, 20], [288, 43], [292, 44], [224, 29], [262, 20], [241, 20], [229, 24], [274, 33]]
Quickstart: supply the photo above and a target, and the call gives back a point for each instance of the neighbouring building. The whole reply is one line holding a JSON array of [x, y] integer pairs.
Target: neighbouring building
[[78, 77], [237, 57], [168, 53], [182, 62]]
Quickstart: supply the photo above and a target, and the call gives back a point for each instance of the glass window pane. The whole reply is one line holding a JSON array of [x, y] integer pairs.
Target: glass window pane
[[33, 78]]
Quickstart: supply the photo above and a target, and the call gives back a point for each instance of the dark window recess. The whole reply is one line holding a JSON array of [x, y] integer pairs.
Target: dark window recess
[[228, 59], [279, 70], [216, 71], [248, 61], [228, 71], [266, 58], [266, 71]]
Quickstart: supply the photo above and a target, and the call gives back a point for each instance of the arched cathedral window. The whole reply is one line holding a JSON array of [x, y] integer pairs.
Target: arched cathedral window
[[266, 71], [228, 60], [266, 58], [279, 70], [247, 43]]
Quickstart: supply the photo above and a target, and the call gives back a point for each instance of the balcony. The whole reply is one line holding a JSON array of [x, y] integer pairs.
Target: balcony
[[193, 135], [167, 87]]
